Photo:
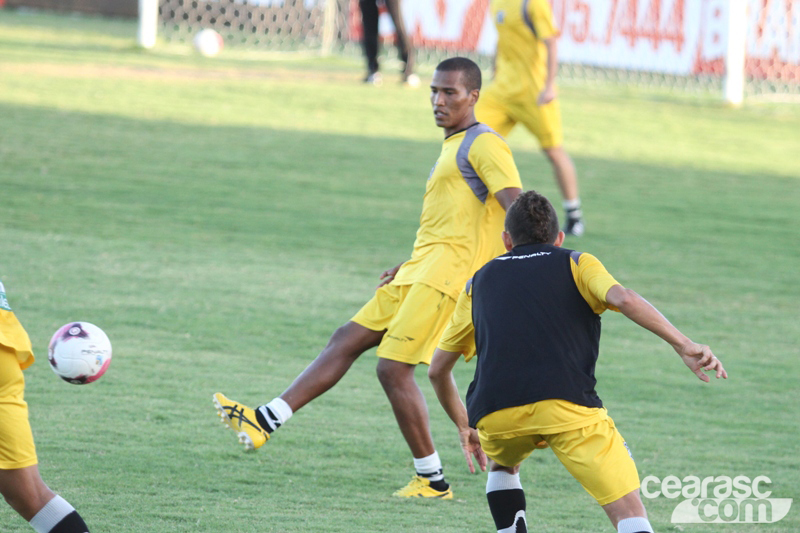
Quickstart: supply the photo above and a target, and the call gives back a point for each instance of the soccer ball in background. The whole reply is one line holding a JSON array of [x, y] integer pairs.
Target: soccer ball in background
[[79, 352], [208, 42]]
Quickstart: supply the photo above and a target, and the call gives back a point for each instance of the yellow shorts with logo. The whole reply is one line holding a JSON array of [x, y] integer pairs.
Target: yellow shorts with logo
[[16, 440], [502, 114], [596, 454], [414, 317]]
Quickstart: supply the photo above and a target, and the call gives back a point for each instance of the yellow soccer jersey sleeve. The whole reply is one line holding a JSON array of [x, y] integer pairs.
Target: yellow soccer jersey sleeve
[[459, 335], [593, 281], [491, 158], [521, 57], [461, 219], [13, 336]]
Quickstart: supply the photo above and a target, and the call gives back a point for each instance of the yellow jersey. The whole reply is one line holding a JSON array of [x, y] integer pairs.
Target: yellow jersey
[[13, 336], [521, 57], [461, 221]]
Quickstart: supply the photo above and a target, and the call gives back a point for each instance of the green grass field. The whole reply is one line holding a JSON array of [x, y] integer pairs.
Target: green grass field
[[219, 218]]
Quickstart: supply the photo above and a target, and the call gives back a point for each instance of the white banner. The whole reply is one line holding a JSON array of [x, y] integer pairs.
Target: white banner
[[682, 37]]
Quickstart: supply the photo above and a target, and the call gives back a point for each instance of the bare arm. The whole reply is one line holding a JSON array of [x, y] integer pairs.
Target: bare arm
[[441, 376], [549, 94], [506, 196], [697, 357]]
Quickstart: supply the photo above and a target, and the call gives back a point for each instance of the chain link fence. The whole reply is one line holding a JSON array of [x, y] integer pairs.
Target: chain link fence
[[670, 44]]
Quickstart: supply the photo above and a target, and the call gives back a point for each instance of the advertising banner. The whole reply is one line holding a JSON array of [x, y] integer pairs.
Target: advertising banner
[[681, 37]]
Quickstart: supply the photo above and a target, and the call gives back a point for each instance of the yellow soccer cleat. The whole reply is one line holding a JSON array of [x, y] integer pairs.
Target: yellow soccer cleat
[[419, 487], [242, 420]]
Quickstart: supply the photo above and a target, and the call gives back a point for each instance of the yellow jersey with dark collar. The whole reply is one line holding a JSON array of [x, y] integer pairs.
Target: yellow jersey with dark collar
[[521, 57], [461, 221]]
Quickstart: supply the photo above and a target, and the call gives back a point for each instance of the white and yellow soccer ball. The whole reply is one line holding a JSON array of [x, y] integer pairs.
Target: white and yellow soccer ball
[[79, 352], [208, 42]]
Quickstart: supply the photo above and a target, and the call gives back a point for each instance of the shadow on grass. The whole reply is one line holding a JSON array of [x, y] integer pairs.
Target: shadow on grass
[[225, 180]]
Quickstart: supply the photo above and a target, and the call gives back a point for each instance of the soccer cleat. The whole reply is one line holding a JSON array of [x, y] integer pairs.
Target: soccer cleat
[[574, 227], [242, 420], [419, 487]]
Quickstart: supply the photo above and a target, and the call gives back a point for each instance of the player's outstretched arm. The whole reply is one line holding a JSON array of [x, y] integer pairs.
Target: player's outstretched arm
[[549, 93], [506, 197], [698, 357], [441, 375]]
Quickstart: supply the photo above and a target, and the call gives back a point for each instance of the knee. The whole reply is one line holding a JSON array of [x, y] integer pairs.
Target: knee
[[558, 156], [384, 372], [339, 336], [495, 467], [393, 374]]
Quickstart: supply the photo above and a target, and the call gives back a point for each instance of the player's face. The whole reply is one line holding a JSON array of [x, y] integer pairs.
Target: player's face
[[452, 103]]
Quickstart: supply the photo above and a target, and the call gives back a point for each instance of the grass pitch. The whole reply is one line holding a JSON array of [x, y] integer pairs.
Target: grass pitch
[[219, 218]]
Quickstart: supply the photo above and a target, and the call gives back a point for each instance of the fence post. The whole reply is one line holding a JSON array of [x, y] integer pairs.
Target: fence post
[[148, 23], [735, 52]]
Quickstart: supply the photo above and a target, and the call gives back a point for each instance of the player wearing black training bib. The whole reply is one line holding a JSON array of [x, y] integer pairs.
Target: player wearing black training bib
[[519, 324], [532, 318]]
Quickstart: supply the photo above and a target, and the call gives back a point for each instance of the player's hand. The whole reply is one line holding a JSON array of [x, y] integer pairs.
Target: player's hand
[[471, 446], [699, 358], [546, 96], [388, 275]]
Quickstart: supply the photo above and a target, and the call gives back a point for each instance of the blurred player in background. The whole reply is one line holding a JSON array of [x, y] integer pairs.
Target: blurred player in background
[[524, 91], [369, 22], [532, 316], [470, 186], [20, 482]]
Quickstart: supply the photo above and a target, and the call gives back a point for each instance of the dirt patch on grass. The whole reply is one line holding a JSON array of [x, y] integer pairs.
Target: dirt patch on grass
[[189, 73]]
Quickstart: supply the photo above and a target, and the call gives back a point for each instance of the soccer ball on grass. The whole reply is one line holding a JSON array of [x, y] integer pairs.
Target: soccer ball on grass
[[79, 352], [208, 42]]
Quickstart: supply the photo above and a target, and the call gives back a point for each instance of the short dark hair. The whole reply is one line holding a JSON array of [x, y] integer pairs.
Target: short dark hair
[[471, 72], [531, 219]]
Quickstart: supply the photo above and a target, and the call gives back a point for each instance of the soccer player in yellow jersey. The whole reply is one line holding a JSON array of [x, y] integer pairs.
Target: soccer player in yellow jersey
[[20, 482], [470, 186], [532, 317], [524, 90]]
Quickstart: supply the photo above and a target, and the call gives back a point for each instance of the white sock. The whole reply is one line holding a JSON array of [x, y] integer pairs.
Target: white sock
[[281, 409], [636, 524], [501, 480], [51, 514], [273, 415], [429, 467], [573, 209]]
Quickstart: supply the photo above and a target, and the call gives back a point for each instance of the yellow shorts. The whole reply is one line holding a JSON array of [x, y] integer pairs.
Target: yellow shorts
[[501, 114], [414, 317], [596, 455], [16, 440]]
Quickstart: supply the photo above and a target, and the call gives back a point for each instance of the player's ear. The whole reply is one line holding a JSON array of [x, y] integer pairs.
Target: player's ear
[[559, 239], [474, 94], [507, 241]]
